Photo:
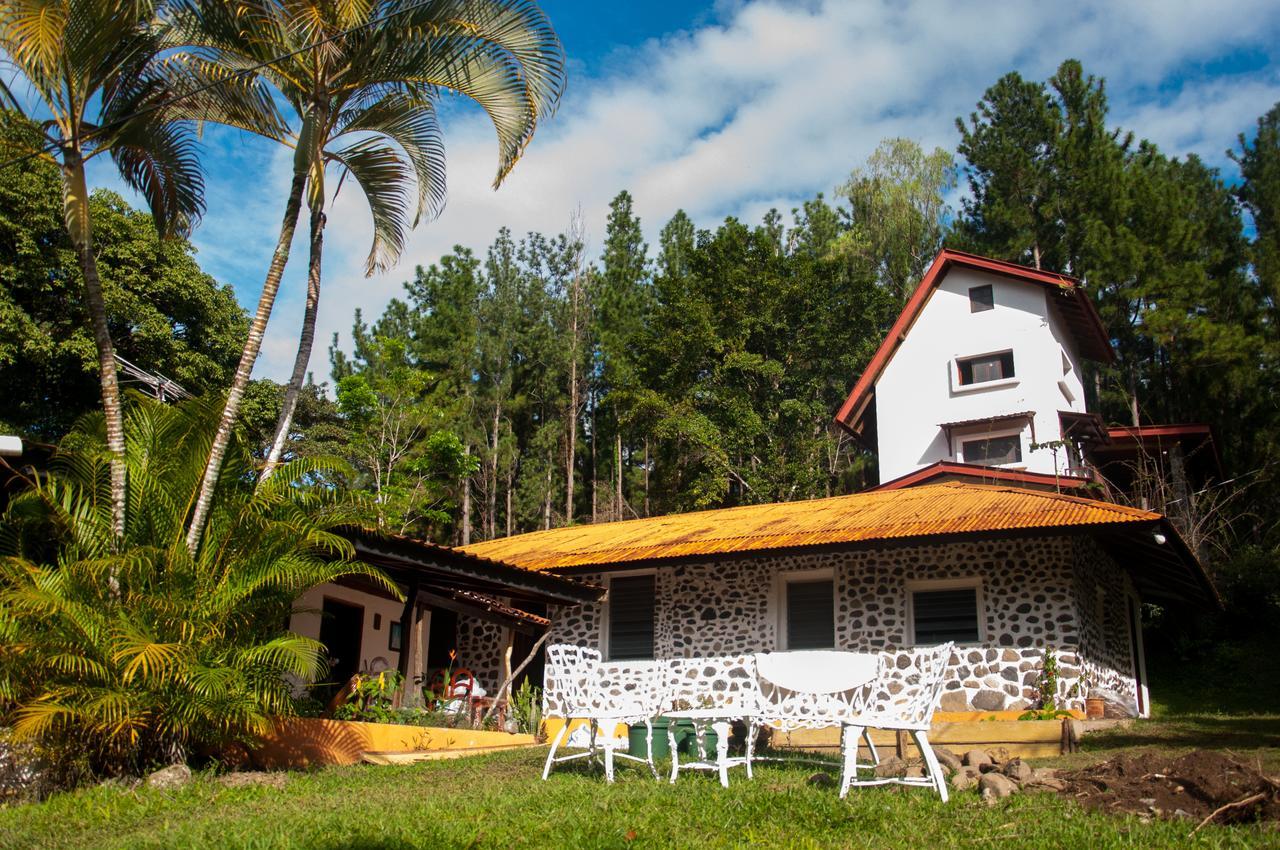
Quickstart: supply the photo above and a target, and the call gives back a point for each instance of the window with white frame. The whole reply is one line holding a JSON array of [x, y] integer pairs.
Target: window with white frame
[[946, 610], [992, 449], [984, 368], [808, 619], [630, 618]]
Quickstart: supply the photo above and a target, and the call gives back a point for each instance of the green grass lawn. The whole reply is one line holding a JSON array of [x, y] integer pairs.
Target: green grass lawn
[[499, 801]]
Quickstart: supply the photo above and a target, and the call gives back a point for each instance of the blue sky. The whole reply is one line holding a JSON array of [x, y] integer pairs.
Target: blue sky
[[734, 107]]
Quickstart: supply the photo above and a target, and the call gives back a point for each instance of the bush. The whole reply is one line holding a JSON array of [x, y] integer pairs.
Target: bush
[[134, 652]]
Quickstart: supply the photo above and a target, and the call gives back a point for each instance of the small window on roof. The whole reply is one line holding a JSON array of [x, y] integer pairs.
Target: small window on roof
[[988, 367], [981, 298]]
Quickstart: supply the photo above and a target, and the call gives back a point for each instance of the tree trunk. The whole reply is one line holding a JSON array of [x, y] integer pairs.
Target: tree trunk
[[230, 412], [305, 341], [491, 498], [573, 434], [646, 476], [595, 483], [546, 502], [466, 504], [617, 477], [511, 485], [75, 207]]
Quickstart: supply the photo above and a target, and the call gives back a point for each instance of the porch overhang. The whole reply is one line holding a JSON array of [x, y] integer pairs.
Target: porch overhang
[[460, 578]]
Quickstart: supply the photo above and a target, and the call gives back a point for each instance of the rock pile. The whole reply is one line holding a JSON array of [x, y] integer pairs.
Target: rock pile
[[995, 774]]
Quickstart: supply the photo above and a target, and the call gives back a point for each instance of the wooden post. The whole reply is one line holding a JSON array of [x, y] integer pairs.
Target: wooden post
[[406, 644], [901, 744]]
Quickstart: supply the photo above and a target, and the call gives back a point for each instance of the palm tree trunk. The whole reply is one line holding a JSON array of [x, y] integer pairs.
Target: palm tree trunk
[[75, 200], [257, 329], [305, 341]]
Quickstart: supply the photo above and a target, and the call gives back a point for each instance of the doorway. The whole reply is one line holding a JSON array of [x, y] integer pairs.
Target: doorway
[[521, 643], [341, 630]]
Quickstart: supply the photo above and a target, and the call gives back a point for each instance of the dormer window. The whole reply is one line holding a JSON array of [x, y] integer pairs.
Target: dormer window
[[985, 368], [981, 298]]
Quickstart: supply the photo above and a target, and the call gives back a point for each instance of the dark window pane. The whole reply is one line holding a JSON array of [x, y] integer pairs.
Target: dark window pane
[[989, 367], [981, 298], [631, 618], [810, 615], [993, 450], [943, 615]]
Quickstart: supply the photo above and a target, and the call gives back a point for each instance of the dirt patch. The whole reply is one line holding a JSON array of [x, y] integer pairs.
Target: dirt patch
[[1192, 787]]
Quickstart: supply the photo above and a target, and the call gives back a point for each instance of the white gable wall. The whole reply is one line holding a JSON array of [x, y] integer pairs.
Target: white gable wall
[[916, 391]]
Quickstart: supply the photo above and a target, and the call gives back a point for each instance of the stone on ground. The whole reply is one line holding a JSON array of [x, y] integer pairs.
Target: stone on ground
[[976, 758], [892, 766], [947, 759], [995, 786], [963, 781], [1018, 770], [821, 780], [168, 778]]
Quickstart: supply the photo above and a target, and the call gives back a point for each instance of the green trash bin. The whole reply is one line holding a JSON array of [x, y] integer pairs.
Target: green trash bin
[[686, 739], [661, 747]]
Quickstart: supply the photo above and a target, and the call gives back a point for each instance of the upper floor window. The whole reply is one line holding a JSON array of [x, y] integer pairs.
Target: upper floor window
[[981, 298], [992, 451], [985, 368]]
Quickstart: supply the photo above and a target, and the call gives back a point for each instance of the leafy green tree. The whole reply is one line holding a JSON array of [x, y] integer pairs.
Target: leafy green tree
[[899, 210], [106, 76], [177, 653], [1259, 192], [366, 103], [621, 299], [163, 312]]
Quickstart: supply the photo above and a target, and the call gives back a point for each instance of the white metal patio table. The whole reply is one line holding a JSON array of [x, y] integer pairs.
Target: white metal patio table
[[718, 720]]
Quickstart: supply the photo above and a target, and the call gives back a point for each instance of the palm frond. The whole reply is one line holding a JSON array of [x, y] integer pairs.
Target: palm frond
[[386, 180]]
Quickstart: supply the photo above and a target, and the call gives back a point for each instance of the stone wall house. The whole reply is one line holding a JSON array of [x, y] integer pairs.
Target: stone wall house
[[1006, 573]]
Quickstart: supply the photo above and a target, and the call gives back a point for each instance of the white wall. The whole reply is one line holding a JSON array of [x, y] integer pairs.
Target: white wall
[[916, 393], [373, 642]]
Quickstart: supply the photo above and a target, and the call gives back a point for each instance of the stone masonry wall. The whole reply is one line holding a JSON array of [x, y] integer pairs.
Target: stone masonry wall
[[1101, 592], [1031, 591]]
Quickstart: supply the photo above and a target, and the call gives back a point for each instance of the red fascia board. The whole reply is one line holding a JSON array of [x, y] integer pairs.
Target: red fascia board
[[944, 467], [855, 405], [1189, 429]]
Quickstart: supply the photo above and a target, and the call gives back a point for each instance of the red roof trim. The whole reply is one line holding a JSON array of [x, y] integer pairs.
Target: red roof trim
[[856, 404], [986, 473], [1190, 429]]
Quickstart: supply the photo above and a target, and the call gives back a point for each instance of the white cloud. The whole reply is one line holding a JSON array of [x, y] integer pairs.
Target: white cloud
[[771, 103]]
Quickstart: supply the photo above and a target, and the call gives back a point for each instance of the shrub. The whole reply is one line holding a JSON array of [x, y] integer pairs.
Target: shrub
[[134, 652]]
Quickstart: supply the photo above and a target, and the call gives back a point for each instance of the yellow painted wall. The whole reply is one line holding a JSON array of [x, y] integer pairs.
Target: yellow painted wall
[[306, 741]]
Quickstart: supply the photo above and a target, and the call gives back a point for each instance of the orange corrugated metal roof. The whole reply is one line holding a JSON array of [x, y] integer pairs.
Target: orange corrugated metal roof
[[936, 509]]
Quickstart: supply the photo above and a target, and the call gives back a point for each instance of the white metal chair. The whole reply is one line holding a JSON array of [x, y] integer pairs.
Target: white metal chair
[[733, 696], [574, 676], [813, 689], [910, 709]]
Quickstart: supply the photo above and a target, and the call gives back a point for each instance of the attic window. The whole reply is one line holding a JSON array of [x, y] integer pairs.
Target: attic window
[[981, 298], [984, 368]]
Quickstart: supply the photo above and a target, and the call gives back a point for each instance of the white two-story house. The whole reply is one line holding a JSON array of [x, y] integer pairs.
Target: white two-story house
[[983, 368]]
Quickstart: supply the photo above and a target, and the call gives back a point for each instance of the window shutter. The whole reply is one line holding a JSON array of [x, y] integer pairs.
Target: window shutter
[[810, 615], [944, 615], [631, 617]]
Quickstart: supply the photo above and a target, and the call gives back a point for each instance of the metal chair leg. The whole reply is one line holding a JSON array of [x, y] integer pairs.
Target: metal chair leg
[[930, 759], [551, 756], [849, 736], [675, 755]]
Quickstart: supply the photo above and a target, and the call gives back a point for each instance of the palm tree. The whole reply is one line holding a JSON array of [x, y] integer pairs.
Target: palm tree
[[103, 82], [187, 652], [364, 80]]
